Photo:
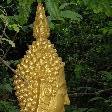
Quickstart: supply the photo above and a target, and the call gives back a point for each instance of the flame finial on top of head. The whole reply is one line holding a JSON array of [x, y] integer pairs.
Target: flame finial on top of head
[[41, 28]]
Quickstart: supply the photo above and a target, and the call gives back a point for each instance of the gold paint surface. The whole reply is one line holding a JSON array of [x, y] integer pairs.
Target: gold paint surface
[[39, 81]]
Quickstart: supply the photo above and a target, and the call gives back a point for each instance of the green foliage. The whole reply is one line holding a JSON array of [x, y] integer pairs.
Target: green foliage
[[59, 12], [108, 29], [15, 27], [24, 10], [52, 7], [8, 107], [4, 19], [71, 15], [9, 1], [98, 6]]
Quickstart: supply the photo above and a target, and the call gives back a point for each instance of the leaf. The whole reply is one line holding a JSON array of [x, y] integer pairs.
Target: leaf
[[4, 19], [71, 15], [110, 23], [6, 106], [108, 75], [96, 99], [78, 69], [24, 9], [110, 31], [99, 6], [9, 41], [81, 110], [85, 2], [92, 110], [65, 5], [104, 30], [14, 62], [7, 87], [52, 7], [9, 1], [50, 22], [108, 10], [16, 27]]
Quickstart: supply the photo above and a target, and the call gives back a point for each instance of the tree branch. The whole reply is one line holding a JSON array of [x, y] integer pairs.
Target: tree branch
[[6, 64]]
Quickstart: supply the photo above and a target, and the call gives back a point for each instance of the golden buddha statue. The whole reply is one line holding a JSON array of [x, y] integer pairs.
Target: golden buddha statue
[[39, 81]]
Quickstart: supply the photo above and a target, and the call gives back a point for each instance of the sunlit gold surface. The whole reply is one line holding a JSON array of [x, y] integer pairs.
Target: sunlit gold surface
[[41, 29], [39, 81]]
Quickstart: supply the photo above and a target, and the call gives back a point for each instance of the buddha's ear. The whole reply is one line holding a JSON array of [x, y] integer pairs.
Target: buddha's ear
[[67, 101], [59, 103], [41, 28]]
